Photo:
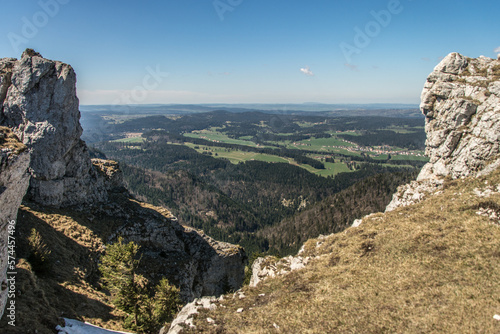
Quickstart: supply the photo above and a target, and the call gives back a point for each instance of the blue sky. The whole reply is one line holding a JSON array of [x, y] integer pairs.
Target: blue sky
[[250, 51]]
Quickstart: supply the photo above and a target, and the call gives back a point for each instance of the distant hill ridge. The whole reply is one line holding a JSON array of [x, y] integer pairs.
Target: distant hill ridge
[[377, 109]]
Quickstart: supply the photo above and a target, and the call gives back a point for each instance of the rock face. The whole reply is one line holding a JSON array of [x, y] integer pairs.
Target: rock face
[[14, 178], [413, 193], [461, 104], [38, 102], [197, 264]]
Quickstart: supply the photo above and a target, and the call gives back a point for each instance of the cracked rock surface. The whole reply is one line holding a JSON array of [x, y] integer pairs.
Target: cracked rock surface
[[38, 102], [461, 104]]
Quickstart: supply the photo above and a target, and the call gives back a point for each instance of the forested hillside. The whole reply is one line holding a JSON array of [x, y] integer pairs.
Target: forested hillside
[[267, 182], [336, 212], [252, 203]]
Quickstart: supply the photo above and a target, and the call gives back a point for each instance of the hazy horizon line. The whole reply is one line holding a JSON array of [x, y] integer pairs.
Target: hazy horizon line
[[256, 103]]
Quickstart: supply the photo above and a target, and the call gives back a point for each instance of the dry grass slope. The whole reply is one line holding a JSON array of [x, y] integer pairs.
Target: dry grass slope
[[429, 268], [69, 287]]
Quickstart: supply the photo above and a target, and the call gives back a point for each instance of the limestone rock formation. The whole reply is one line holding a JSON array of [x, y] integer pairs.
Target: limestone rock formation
[[38, 102], [14, 178], [412, 193], [461, 104]]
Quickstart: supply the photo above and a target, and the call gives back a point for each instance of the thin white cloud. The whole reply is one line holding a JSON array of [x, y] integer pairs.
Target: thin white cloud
[[307, 71], [497, 50]]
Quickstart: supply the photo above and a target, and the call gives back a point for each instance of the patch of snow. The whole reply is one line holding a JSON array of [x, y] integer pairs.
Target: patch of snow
[[77, 327]]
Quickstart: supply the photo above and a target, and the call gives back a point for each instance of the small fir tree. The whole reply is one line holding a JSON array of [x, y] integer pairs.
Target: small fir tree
[[131, 292], [166, 302], [118, 267]]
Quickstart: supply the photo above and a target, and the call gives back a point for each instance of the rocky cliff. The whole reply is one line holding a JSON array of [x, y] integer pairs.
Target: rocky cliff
[[14, 178], [461, 104], [39, 103], [40, 141]]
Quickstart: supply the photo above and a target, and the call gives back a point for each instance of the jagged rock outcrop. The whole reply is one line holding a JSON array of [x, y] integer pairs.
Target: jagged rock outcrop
[[38, 102], [413, 193], [14, 179], [111, 173], [461, 104]]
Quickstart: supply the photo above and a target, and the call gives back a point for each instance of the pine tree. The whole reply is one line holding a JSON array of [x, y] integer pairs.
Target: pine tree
[[130, 291], [118, 268], [166, 302]]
